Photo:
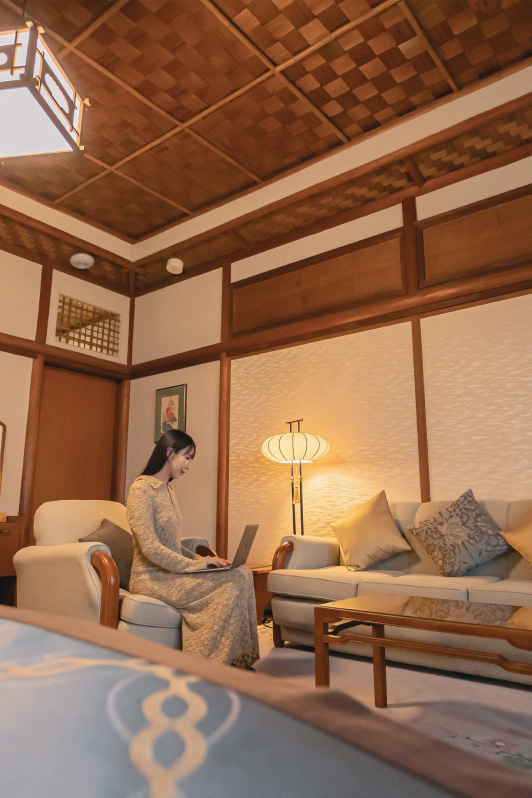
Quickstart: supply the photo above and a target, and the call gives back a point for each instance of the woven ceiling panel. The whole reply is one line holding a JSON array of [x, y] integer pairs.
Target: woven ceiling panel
[[116, 123], [177, 54], [16, 234], [477, 37], [268, 129], [67, 17], [188, 172], [122, 206], [283, 28], [501, 136], [376, 72], [57, 173]]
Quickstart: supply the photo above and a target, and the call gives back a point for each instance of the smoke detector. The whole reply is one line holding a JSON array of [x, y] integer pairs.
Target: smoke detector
[[174, 265], [82, 260]]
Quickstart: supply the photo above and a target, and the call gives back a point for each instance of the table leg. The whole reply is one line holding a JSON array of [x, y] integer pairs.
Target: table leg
[[321, 652], [379, 668]]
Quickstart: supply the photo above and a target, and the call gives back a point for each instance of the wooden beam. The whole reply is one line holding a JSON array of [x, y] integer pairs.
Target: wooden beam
[[94, 25], [421, 415], [428, 46], [194, 357]]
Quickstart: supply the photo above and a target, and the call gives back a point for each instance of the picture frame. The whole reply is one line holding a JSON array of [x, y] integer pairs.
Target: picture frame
[[170, 409]]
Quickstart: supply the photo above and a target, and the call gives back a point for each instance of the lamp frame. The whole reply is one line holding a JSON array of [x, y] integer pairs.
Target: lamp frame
[[300, 485]]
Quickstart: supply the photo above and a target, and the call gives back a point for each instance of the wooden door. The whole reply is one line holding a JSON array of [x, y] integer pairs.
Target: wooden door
[[76, 436]]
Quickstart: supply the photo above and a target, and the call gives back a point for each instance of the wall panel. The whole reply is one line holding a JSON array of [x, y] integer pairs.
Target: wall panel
[[357, 391], [478, 392], [15, 378], [20, 283]]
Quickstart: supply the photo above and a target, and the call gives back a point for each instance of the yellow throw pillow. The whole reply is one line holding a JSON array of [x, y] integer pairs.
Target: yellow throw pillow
[[369, 534], [521, 540]]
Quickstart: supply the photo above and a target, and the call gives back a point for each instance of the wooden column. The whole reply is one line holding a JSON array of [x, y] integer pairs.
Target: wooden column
[[223, 457], [422, 437], [30, 447], [122, 422], [44, 304], [410, 245]]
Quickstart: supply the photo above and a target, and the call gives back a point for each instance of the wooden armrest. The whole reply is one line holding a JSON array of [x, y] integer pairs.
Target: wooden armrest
[[108, 571], [205, 551], [281, 553]]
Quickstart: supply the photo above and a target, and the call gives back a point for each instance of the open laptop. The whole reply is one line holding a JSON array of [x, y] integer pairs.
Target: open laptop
[[244, 547]]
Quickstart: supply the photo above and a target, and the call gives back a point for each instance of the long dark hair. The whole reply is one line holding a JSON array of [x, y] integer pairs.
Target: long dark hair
[[173, 439]]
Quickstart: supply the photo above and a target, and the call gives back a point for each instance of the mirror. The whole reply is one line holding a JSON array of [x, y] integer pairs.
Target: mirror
[[2, 448]]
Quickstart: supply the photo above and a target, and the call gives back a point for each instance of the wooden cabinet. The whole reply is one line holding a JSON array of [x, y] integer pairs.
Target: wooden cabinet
[[263, 596], [10, 541]]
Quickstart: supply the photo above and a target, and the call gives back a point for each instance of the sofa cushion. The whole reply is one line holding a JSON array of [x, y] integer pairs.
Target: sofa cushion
[[120, 544], [324, 584], [147, 611], [428, 585], [368, 534], [507, 591], [460, 536], [520, 539]]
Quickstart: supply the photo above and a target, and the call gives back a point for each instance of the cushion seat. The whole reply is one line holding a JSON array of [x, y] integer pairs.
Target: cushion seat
[[147, 611], [506, 591], [324, 584], [427, 585]]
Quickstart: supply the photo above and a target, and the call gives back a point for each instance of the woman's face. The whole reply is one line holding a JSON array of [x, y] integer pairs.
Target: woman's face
[[180, 462]]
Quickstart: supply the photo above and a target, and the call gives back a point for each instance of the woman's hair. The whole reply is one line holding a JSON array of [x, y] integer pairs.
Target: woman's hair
[[176, 440]]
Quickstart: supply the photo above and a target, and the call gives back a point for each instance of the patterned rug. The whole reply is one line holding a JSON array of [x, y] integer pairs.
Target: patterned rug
[[489, 717]]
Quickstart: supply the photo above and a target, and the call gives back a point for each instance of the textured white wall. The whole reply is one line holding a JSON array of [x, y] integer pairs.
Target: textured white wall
[[183, 316], [357, 391], [15, 380], [478, 388], [73, 287], [196, 492], [20, 286]]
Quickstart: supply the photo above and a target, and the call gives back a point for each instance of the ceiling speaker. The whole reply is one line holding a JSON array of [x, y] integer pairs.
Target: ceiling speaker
[[174, 265], [82, 260]]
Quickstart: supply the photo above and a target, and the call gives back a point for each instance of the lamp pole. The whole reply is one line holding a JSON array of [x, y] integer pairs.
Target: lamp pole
[[297, 488]]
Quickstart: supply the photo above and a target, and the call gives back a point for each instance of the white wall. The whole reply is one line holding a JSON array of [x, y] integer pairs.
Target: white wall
[[20, 286], [15, 378], [196, 492], [478, 387], [103, 298], [183, 316]]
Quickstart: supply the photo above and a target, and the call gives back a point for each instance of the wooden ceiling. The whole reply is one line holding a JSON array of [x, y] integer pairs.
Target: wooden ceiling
[[195, 101]]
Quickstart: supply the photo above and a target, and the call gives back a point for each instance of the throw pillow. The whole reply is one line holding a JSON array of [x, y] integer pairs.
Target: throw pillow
[[368, 534], [460, 536], [521, 540], [120, 544]]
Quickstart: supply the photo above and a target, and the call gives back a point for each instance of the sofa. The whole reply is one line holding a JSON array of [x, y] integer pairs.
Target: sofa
[[63, 576], [308, 571]]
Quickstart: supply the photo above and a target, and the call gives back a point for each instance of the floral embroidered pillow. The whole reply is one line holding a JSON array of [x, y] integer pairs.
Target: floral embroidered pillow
[[460, 536]]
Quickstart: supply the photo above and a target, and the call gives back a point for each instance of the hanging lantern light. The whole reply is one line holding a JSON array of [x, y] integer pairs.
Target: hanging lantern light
[[40, 111]]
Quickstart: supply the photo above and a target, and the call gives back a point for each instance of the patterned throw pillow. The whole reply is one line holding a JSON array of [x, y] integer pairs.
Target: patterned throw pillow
[[460, 536], [120, 544]]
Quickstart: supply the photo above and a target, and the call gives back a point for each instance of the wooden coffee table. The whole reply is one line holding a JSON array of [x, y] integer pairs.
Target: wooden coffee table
[[334, 622]]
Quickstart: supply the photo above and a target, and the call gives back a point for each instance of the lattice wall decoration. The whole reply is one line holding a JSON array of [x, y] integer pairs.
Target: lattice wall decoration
[[87, 326]]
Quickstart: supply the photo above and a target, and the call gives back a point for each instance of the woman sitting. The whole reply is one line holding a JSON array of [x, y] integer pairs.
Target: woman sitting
[[218, 608]]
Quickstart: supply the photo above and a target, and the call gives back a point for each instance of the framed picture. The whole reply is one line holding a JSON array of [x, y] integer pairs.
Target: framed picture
[[170, 409]]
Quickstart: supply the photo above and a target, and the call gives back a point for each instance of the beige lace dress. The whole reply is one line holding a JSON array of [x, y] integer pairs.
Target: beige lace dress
[[218, 607]]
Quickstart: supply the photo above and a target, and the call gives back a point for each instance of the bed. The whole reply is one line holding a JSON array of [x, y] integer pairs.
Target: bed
[[93, 713]]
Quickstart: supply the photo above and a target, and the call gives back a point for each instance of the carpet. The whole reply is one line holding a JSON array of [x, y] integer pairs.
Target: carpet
[[491, 718]]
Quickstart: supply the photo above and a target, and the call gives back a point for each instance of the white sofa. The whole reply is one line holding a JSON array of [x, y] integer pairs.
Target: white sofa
[[308, 571], [64, 577]]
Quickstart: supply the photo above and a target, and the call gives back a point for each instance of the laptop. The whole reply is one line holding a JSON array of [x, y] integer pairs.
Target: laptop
[[242, 552]]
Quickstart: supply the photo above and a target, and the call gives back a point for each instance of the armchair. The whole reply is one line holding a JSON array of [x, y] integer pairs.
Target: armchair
[[61, 576]]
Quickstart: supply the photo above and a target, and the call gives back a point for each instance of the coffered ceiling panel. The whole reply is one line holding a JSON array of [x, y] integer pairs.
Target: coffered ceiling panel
[[125, 207], [176, 54], [269, 129], [181, 169], [195, 101]]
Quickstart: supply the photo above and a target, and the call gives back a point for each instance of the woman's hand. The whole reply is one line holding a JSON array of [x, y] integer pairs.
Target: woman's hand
[[216, 562]]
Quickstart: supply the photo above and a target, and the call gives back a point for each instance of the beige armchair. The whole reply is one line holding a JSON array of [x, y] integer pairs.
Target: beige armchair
[[64, 577]]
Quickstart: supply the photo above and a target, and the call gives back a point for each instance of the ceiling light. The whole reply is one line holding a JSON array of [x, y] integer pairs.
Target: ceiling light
[[174, 265], [39, 108], [82, 260]]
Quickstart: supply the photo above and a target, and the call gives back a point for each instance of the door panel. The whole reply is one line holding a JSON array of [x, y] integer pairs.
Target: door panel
[[75, 445]]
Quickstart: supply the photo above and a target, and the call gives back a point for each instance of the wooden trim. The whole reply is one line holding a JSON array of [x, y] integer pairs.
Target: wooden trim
[[193, 357], [410, 245], [224, 414], [421, 415], [2, 448], [122, 423], [108, 571], [44, 304], [131, 330], [227, 303], [430, 49], [30, 448]]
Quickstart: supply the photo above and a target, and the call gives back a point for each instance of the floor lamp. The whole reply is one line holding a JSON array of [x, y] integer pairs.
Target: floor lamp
[[295, 447]]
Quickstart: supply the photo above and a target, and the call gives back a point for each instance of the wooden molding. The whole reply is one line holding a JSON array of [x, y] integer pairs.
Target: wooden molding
[[222, 500], [193, 357], [421, 416], [108, 571], [122, 423]]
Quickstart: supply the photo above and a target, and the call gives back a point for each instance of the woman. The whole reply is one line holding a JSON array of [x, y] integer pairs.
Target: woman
[[218, 609]]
